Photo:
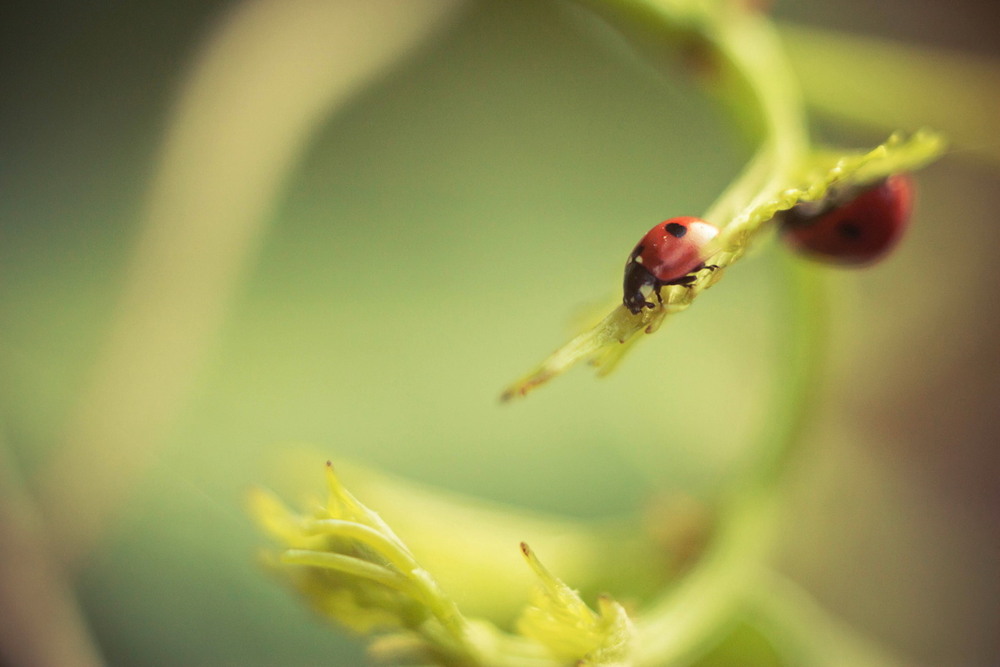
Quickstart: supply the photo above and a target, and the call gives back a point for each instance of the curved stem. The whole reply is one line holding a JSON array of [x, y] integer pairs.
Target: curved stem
[[749, 65], [271, 72], [888, 85], [42, 622], [683, 622], [356, 567], [809, 635], [392, 550], [752, 47], [707, 601]]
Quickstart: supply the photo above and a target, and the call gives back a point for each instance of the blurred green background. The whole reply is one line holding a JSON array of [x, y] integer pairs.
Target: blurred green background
[[449, 226]]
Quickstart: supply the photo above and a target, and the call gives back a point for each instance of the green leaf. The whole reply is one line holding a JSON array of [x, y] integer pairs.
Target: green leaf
[[559, 619], [353, 568]]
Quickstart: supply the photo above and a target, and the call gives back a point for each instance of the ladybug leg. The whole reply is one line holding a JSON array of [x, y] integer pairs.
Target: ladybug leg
[[691, 278], [686, 281]]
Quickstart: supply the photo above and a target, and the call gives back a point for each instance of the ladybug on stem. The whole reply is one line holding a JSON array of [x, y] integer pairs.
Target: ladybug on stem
[[851, 229], [668, 254]]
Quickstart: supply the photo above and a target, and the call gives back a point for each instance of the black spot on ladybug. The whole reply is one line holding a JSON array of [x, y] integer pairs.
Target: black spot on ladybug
[[674, 229], [850, 230]]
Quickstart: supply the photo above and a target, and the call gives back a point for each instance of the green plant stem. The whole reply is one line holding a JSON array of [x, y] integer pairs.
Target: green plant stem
[[748, 44], [804, 632], [751, 45], [698, 612], [889, 85], [356, 567], [684, 623], [42, 624], [271, 71]]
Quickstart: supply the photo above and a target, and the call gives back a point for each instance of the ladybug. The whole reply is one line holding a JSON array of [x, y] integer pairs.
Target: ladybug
[[668, 254], [852, 229]]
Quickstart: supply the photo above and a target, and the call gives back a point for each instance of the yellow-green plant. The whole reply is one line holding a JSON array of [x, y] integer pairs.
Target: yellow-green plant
[[353, 568]]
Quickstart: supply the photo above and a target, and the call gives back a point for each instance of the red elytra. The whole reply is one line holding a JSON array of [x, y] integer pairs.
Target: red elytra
[[857, 232], [668, 254]]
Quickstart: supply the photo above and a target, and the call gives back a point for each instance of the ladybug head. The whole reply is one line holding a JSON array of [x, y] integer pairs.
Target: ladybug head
[[637, 277]]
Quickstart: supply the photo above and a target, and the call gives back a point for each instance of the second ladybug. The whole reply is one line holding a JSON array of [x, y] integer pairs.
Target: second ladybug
[[853, 228], [668, 254]]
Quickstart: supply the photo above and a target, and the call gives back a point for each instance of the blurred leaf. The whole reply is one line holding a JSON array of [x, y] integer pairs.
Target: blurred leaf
[[559, 619], [352, 568], [887, 85]]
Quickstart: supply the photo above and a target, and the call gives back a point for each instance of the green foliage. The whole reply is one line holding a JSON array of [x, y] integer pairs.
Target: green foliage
[[568, 628], [350, 565]]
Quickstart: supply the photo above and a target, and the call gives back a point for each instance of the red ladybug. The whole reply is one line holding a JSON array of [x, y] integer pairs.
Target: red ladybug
[[668, 254], [853, 229]]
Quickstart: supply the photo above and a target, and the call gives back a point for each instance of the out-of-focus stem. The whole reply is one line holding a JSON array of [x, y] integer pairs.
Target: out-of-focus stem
[[41, 622], [687, 619], [806, 634], [889, 85], [268, 75]]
